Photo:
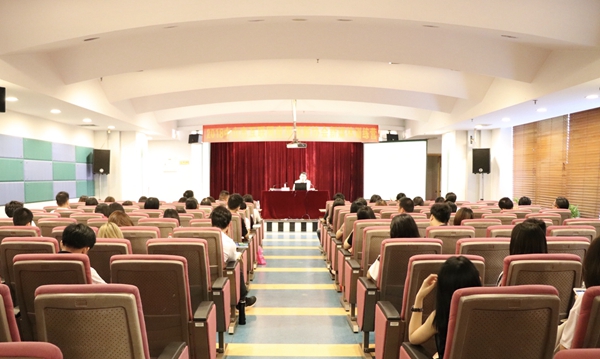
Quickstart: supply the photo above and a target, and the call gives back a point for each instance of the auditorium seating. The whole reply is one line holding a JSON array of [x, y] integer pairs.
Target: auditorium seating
[[9, 331], [206, 222], [87, 209], [84, 217], [520, 213], [46, 225], [478, 213], [493, 250], [578, 354], [198, 213], [185, 218], [422, 225], [166, 226], [574, 245], [139, 235], [122, 334], [19, 231], [153, 213], [587, 330], [450, 235], [97, 222], [489, 317], [103, 250], [481, 225], [584, 222], [65, 213], [162, 281], [505, 218], [548, 221], [29, 350], [136, 216], [564, 213], [499, 231], [554, 217], [6, 222]]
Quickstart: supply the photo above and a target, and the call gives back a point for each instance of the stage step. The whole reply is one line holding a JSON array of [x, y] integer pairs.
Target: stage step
[[287, 225]]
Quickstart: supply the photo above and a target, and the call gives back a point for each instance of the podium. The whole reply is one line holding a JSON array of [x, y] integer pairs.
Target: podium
[[293, 204]]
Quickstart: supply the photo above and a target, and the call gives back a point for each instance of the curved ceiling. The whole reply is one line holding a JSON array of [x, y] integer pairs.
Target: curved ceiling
[[430, 66]]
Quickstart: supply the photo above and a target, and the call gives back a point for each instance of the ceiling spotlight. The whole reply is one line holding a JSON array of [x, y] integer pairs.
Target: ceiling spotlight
[[506, 119], [11, 99], [591, 97], [542, 109], [111, 127], [87, 120], [55, 111]]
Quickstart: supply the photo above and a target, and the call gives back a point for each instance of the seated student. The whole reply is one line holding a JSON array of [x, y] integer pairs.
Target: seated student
[[152, 203], [505, 203], [62, 201], [223, 196], [456, 273], [22, 217], [524, 201], [114, 206], [121, 219], [528, 237], [234, 202], [188, 194], [374, 198], [463, 213], [440, 214], [402, 226], [418, 201], [182, 199], [220, 217], [381, 202], [171, 213], [109, 230], [591, 278], [451, 197], [255, 216], [79, 238], [191, 203], [400, 195], [335, 197], [452, 205], [83, 198], [142, 199], [561, 203], [354, 207], [365, 212], [336, 203], [212, 199], [102, 208], [10, 208], [406, 205], [91, 201], [127, 203], [440, 200], [206, 202], [109, 199]]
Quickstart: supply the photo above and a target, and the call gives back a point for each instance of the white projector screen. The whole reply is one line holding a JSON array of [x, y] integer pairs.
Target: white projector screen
[[394, 167]]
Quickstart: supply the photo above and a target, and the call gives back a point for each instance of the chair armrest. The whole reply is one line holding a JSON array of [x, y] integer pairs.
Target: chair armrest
[[173, 350], [219, 284], [338, 242], [345, 252], [369, 284], [203, 310], [353, 263], [415, 351], [388, 310], [231, 265]]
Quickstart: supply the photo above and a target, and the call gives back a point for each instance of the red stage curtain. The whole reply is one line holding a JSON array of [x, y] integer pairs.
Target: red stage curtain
[[253, 167]]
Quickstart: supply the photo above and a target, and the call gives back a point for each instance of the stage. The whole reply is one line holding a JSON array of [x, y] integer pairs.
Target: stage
[[291, 225], [293, 204]]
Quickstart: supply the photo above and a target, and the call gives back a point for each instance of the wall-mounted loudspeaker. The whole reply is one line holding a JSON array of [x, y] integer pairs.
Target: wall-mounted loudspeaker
[[2, 99], [481, 160], [194, 138], [101, 162], [391, 138]]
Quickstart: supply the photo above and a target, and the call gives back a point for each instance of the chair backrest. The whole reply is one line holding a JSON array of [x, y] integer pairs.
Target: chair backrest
[[165, 225], [532, 208], [9, 331], [520, 213], [339, 219], [162, 281], [19, 231], [481, 225], [197, 213], [83, 218], [371, 246], [357, 237], [562, 271], [505, 218], [478, 213], [387, 214], [488, 319], [195, 251], [12, 246], [97, 222], [574, 245], [422, 224], [136, 216], [336, 214], [492, 249], [204, 222], [548, 221], [39, 215], [185, 218], [139, 235], [206, 209], [500, 231], [103, 250], [578, 354], [349, 220], [212, 236], [564, 213], [236, 227], [585, 222], [111, 315], [65, 213], [129, 209], [417, 215], [572, 231], [46, 225], [153, 213], [587, 330], [395, 256], [34, 270], [450, 235], [554, 217], [29, 350], [87, 209]]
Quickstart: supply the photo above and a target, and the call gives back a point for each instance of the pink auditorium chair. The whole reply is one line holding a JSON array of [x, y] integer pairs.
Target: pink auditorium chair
[[19, 231], [564, 213], [83, 218], [494, 250], [103, 250], [520, 213], [29, 350], [578, 354], [136, 216], [153, 213], [12, 246], [46, 225], [391, 325], [162, 281], [87, 209], [574, 245], [499, 231], [185, 219], [572, 231], [395, 255], [34, 270], [198, 213], [450, 235], [97, 222], [478, 212], [9, 331], [339, 255], [498, 323], [556, 218], [122, 334], [195, 251], [562, 271], [139, 235], [587, 330], [481, 225], [333, 242], [505, 218], [165, 225], [584, 222], [6, 222], [202, 222], [548, 221], [67, 213]]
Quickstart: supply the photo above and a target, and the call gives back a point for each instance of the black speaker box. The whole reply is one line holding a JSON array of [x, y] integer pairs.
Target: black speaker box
[[2, 99], [194, 138], [481, 160], [101, 162], [392, 138]]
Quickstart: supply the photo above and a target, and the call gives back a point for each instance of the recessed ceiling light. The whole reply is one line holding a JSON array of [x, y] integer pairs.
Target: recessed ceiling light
[[55, 111], [91, 39], [506, 119], [344, 20], [509, 36], [591, 97], [542, 109], [256, 20], [11, 99], [298, 19], [87, 120], [111, 127], [431, 26]]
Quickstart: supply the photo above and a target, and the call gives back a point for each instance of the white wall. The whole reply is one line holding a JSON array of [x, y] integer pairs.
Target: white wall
[[21, 125], [434, 146]]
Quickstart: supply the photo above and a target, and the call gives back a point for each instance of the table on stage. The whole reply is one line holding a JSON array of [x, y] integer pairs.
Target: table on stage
[[293, 204]]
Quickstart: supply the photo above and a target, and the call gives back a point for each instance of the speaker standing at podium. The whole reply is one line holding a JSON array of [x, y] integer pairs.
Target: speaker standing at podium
[[302, 179]]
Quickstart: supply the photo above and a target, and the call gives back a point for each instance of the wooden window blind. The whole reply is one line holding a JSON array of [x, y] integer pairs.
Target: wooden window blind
[[524, 160]]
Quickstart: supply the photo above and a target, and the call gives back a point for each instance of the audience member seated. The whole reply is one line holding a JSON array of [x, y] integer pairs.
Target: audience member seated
[[591, 278], [110, 230], [452, 205], [188, 194], [365, 212], [463, 213], [335, 197], [102, 208], [79, 238], [181, 210], [527, 238], [206, 201], [561, 203], [456, 273], [337, 202], [354, 207], [406, 205], [402, 226], [62, 201], [505, 203], [440, 214], [127, 203], [374, 198], [451, 197], [234, 203], [91, 201], [400, 195], [142, 199], [83, 198], [191, 203], [114, 206], [152, 203], [11, 206], [22, 217], [224, 196], [255, 218], [524, 201], [212, 199], [172, 213], [121, 219], [381, 202], [220, 217], [440, 200], [418, 201], [109, 199], [182, 199]]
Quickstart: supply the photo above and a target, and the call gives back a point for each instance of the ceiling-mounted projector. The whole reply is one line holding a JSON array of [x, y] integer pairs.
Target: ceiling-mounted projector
[[296, 144]]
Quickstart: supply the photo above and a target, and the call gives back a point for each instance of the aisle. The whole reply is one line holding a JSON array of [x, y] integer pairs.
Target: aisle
[[298, 313]]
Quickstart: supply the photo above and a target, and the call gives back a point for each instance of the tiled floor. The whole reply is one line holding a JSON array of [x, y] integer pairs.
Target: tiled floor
[[298, 313]]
